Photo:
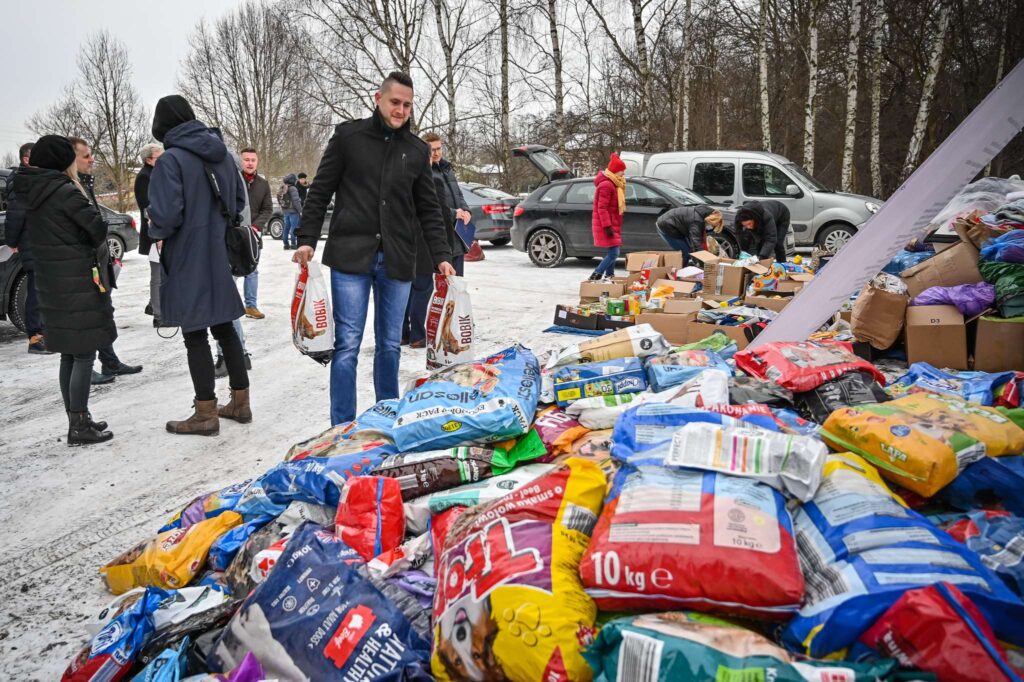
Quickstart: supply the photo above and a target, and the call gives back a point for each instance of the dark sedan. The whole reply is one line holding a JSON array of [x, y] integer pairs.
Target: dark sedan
[[491, 210], [553, 223], [275, 226]]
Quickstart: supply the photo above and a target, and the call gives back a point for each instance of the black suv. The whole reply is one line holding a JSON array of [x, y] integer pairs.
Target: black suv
[[122, 237]]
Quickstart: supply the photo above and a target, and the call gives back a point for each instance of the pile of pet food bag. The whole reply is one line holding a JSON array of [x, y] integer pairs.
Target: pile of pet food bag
[[621, 508]]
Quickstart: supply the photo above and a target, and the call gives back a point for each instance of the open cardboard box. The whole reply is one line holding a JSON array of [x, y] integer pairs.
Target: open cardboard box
[[674, 327], [682, 288], [794, 283], [936, 334], [722, 277], [763, 301], [639, 260], [565, 317], [956, 265], [593, 291]]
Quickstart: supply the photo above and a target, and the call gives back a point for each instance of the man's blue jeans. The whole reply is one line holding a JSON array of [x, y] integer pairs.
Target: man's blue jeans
[[291, 223], [249, 287], [681, 245], [351, 297]]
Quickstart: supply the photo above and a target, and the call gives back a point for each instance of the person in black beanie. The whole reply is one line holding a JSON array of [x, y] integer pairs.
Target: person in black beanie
[[73, 275], [198, 292]]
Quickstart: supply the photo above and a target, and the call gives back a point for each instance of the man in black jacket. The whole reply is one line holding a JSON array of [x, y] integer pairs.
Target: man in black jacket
[[762, 227], [379, 175], [110, 365], [302, 186], [16, 237], [683, 227], [261, 206], [149, 154]]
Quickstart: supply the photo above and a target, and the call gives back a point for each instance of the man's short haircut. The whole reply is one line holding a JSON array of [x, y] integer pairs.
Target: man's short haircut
[[431, 137], [399, 77], [301, 175], [248, 150], [25, 150], [147, 151], [77, 141]]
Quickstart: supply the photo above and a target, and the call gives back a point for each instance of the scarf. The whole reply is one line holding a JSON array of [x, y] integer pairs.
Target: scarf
[[248, 178], [620, 183]]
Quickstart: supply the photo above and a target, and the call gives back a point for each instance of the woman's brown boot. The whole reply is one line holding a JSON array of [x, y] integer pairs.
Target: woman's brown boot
[[237, 408], [203, 422]]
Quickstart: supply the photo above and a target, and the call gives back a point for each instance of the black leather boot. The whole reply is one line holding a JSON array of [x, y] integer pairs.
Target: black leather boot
[[82, 431]]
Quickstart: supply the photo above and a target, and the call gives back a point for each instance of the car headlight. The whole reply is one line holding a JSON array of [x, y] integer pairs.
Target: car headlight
[[871, 206]]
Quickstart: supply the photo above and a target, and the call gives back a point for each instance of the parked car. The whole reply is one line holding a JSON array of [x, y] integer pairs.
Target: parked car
[[819, 215], [122, 237], [554, 222], [491, 210], [275, 226]]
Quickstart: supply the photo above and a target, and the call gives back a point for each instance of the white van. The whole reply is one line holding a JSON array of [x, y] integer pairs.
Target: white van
[[818, 214]]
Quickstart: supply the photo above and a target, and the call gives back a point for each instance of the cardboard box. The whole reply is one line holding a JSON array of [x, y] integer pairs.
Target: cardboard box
[[956, 265], [701, 330], [794, 284], [672, 259], [720, 277], [999, 344], [878, 316], [638, 260], [936, 334], [776, 304], [681, 288], [593, 291], [672, 326], [567, 318], [681, 306], [610, 322], [656, 274]]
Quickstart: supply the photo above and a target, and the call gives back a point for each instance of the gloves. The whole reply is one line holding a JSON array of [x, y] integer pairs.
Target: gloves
[[609, 232]]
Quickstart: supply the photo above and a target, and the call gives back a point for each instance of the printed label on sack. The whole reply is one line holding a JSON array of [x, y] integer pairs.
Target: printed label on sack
[[901, 556], [884, 537], [668, 491], [660, 533], [344, 640], [745, 516]]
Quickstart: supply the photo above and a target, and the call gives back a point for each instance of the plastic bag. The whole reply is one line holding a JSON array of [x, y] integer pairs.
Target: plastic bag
[[315, 618], [803, 365], [423, 473], [345, 439], [1008, 279], [999, 541], [450, 329], [485, 401], [224, 548], [744, 389], [969, 299], [849, 390], [675, 538], [692, 647], [666, 371], [612, 377], [370, 517], [639, 341], [991, 482], [922, 441], [790, 464], [171, 559], [861, 548], [557, 430], [510, 604], [312, 314], [985, 195], [717, 342], [208, 506], [975, 387], [938, 629], [904, 260], [170, 666], [1008, 248]]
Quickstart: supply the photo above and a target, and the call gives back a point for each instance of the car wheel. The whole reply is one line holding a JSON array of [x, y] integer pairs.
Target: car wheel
[[504, 241], [16, 306], [728, 244], [116, 246], [276, 227], [546, 248], [834, 237]]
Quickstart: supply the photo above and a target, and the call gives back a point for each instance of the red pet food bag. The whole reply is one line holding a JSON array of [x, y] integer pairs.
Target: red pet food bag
[[557, 430], [803, 365], [370, 517]]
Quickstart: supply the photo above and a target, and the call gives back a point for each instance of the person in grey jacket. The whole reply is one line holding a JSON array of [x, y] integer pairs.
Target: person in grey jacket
[[683, 227], [292, 211]]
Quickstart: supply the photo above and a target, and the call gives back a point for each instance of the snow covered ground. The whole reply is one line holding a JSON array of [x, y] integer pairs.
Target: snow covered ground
[[64, 512]]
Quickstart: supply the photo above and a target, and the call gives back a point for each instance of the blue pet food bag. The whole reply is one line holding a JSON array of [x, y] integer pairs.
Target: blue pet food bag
[[612, 377]]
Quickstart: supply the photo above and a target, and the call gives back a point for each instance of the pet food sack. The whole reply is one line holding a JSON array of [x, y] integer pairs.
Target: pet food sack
[[678, 367], [171, 559], [849, 390], [423, 473], [370, 517], [744, 389], [861, 549], [693, 647], [639, 341], [341, 440], [676, 538], [315, 618], [207, 506], [938, 629], [999, 541], [716, 342], [223, 550], [922, 441], [312, 314], [790, 464], [991, 482], [557, 430], [974, 387], [600, 412], [509, 604], [803, 365], [484, 401], [612, 377], [449, 323]]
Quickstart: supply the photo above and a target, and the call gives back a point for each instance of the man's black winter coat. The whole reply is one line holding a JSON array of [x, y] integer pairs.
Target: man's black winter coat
[[771, 225], [686, 222], [66, 232], [15, 234], [384, 197], [142, 199]]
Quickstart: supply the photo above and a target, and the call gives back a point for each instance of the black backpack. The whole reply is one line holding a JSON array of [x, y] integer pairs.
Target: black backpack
[[284, 197], [243, 243]]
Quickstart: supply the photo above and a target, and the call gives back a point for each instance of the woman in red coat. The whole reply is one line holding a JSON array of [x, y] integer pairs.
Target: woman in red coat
[[609, 205]]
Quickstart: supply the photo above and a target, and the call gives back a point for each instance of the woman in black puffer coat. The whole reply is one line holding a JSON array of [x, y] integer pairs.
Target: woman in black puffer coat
[[73, 275]]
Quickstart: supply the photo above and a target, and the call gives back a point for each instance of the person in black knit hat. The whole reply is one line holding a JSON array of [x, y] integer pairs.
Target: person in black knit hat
[[73, 275]]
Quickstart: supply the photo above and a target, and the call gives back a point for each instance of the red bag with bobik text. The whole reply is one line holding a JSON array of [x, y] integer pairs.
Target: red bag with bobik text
[[449, 323], [312, 315]]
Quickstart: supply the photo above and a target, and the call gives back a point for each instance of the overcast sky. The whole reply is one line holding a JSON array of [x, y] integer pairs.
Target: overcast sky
[[40, 42]]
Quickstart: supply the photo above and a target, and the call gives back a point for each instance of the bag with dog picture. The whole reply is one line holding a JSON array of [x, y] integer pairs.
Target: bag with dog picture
[[312, 315], [449, 323]]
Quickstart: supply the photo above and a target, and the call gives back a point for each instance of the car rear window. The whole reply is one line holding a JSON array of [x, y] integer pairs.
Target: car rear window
[[491, 193], [580, 193]]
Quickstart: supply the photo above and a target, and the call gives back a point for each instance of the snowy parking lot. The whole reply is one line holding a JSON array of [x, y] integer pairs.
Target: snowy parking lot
[[64, 512]]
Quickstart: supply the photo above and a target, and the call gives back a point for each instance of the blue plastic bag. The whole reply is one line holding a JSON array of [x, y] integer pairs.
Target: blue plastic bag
[[316, 618], [678, 367], [991, 483], [1000, 544], [224, 548], [592, 379], [484, 401], [1007, 248], [975, 387], [170, 666], [904, 260]]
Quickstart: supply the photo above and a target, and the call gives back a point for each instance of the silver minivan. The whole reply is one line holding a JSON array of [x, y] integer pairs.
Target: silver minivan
[[818, 214]]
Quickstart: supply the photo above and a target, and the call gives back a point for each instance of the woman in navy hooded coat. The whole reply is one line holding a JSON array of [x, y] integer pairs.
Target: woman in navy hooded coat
[[198, 291]]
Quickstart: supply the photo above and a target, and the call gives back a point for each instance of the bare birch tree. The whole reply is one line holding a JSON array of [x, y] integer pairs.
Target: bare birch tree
[[877, 32], [810, 107], [852, 71], [924, 109], [681, 130], [762, 71]]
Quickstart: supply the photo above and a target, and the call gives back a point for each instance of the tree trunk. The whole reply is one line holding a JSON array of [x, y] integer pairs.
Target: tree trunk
[[504, 141], [877, 29], [852, 71], [1000, 65], [927, 93], [644, 67], [681, 133], [810, 108], [440, 8], [556, 59], [762, 68]]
